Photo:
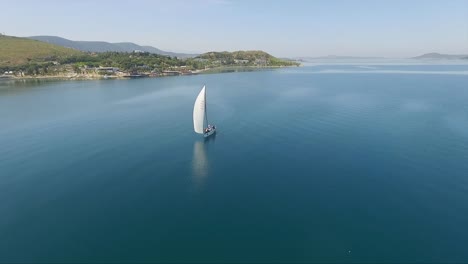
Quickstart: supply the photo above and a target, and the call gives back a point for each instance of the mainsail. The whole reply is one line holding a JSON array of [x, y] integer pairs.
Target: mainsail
[[199, 109]]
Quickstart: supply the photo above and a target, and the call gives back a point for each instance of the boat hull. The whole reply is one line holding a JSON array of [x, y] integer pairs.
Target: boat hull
[[209, 133]]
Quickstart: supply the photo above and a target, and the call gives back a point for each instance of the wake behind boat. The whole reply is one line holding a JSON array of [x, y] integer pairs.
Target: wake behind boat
[[200, 116]]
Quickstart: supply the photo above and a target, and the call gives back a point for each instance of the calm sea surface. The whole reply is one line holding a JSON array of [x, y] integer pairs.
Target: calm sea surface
[[322, 163]]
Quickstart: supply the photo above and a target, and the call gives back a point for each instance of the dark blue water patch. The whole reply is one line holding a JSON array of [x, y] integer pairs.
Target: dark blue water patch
[[304, 168]]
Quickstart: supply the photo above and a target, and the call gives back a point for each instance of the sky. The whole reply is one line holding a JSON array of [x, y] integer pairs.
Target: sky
[[286, 28]]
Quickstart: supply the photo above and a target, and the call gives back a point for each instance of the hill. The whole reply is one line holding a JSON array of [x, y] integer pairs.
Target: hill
[[15, 51], [438, 56], [102, 46], [247, 58]]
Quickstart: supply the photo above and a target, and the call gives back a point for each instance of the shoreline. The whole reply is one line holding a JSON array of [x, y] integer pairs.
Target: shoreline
[[84, 77]]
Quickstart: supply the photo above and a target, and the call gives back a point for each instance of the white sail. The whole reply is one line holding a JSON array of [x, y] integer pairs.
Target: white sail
[[199, 112]]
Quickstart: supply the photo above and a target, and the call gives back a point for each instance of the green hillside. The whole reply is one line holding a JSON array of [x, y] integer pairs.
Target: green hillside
[[16, 51], [250, 57], [240, 55]]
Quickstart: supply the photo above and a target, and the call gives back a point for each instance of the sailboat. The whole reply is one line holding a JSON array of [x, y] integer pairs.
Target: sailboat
[[200, 116]]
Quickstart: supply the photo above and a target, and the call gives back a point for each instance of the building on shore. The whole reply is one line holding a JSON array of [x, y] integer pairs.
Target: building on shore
[[111, 70]]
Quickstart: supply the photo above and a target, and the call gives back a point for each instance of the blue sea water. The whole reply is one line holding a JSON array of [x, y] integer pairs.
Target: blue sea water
[[321, 163]]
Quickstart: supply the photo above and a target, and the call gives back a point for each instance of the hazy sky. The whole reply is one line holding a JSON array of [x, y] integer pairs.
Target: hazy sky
[[393, 28]]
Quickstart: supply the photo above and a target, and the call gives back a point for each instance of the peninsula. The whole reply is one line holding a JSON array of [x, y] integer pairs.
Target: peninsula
[[28, 58]]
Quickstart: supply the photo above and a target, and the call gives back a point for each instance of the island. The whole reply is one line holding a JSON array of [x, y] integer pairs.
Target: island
[[439, 56], [29, 58]]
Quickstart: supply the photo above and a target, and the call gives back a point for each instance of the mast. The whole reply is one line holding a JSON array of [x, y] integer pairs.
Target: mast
[[206, 113]]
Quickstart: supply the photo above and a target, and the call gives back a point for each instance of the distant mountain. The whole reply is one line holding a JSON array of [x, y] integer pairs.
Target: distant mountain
[[102, 46], [438, 56]]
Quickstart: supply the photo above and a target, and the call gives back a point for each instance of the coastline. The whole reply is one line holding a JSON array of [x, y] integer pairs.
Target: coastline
[[227, 69], [83, 77]]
